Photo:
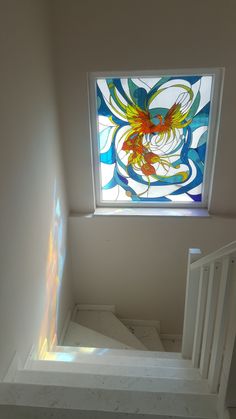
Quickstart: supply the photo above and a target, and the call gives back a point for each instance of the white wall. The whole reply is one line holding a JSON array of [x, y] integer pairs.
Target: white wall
[[131, 35], [30, 165], [139, 264]]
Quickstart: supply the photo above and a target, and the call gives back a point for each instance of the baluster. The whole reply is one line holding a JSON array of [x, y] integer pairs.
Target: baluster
[[220, 326], [227, 376], [201, 305], [192, 287], [210, 314]]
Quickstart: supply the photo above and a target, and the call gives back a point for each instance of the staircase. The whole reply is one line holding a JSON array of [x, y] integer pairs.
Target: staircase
[[140, 384], [105, 367]]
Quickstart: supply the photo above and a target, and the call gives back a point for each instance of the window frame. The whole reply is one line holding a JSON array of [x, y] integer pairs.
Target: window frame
[[213, 129]]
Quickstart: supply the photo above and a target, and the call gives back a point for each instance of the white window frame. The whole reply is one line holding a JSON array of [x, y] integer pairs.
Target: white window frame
[[214, 119]]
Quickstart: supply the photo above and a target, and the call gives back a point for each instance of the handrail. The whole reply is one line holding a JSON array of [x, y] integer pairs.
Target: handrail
[[223, 251]]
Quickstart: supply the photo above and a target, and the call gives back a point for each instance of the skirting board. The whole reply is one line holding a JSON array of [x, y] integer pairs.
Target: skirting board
[[137, 322]]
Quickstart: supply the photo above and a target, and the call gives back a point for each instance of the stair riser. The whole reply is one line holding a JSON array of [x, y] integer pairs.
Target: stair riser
[[123, 401], [52, 413], [104, 357], [121, 353], [120, 370], [115, 382]]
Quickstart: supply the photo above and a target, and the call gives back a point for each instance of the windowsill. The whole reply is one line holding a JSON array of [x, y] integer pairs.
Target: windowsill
[[152, 212]]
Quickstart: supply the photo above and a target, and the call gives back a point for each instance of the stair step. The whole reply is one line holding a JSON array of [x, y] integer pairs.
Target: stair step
[[154, 371], [77, 335], [32, 412], [127, 352], [118, 357], [108, 324], [111, 381], [143, 396], [102, 357]]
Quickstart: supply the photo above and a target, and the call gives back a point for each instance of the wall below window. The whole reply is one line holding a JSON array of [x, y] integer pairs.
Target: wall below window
[[31, 177], [139, 263]]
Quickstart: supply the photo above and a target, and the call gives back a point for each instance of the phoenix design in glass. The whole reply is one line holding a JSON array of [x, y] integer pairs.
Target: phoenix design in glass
[[152, 135]]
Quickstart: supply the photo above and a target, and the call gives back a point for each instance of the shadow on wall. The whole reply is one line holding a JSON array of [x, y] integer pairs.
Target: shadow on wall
[[54, 275]]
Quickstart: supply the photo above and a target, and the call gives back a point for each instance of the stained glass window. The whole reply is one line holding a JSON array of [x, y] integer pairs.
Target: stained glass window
[[152, 137]]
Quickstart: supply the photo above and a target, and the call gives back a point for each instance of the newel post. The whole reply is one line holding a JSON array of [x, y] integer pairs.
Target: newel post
[[191, 299]]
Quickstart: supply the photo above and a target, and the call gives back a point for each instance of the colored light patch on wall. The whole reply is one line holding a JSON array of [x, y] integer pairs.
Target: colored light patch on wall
[[152, 138], [54, 275]]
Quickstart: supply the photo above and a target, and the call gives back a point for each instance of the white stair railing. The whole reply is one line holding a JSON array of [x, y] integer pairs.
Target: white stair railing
[[209, 320]]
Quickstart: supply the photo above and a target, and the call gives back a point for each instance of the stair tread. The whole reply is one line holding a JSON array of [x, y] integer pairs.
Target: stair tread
[[108, 324], [78, 335]]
